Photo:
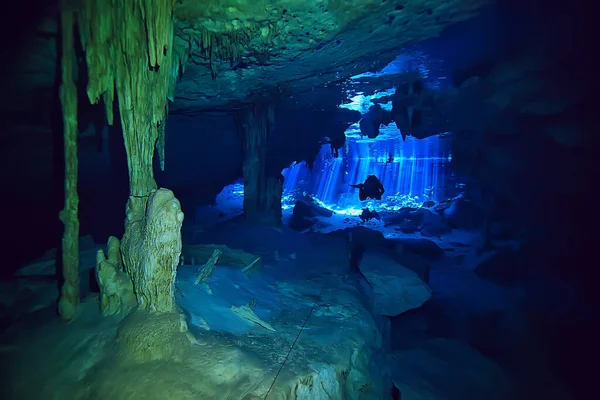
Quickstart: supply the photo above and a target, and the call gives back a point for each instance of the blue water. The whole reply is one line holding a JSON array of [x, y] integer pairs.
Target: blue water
[[412, 171]]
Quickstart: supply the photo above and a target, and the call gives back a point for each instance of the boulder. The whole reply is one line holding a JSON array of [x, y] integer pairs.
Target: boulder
[[433, 224], [308, 207], [447, 369], [305, 213], [300, 224], [504, 231], [412, 261], [396, 289], [464, 214], [428, 204], [361, 237], [423, 247], [412, 220], [408, 220], [503, 266], [397, 217]]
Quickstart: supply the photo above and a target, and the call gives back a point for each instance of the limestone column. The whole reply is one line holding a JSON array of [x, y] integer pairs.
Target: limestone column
[[69, 296], [129, 46], [262, 189]]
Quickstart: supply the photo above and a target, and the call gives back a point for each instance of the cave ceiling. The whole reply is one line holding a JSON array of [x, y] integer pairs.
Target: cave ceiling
[[233, 52], [246, 50]]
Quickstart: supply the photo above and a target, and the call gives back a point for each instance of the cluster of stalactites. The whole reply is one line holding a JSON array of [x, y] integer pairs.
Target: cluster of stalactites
[[180, 58], [218, 47], [128, 45]]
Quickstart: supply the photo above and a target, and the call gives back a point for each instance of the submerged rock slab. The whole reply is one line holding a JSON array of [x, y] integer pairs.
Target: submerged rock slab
[[424, 247], [330, 359], [396, 289], [464, 214]]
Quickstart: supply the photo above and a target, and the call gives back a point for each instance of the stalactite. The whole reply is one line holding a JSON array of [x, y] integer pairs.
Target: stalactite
[[181, 55], [121, 39], [219, 47], [69, 298]]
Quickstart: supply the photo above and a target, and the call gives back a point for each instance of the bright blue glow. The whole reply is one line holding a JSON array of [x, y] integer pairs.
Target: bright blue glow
[[362, 103], [412, 172]]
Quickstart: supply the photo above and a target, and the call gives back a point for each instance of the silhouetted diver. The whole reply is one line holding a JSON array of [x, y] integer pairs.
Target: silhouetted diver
[[372, 188]]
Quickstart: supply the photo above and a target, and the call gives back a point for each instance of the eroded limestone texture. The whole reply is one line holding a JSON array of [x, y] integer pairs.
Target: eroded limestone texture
[[147, 337], [128, 46], [151, 248], [116, 289]]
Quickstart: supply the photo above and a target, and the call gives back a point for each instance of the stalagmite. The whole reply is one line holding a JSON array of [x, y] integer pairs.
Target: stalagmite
[[69, 297], [262, 191], [151, 247], [116, 289]]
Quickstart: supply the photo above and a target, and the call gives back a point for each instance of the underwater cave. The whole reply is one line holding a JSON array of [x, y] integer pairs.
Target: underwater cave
[[307, 200]]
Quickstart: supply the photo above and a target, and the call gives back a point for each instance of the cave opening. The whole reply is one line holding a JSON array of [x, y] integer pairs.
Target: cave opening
[[226, 248], [413, 172]]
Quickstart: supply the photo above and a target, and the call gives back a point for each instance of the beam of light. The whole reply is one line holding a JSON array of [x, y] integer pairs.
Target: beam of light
[[412, 173]]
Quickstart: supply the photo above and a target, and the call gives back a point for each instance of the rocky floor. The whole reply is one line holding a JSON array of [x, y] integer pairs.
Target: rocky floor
[[334, 330]]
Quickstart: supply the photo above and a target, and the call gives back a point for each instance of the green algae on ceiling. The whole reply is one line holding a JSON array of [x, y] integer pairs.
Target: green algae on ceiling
[[240, 50]]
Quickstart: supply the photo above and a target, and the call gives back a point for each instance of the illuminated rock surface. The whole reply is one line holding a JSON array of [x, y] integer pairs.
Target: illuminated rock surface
[[396, 289], [423, 373]]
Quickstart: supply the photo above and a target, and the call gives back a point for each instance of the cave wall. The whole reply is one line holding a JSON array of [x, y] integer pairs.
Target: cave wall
[[31, 207], [203, 155], [544, 164]]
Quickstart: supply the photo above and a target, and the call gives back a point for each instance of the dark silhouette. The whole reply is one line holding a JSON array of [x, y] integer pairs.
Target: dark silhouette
[[368, 215], [372, 188]]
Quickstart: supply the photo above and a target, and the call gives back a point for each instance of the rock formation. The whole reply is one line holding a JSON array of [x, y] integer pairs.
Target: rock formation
[[151, 249], [128, 48], [116, 290], [262, 190], [69, 296]]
